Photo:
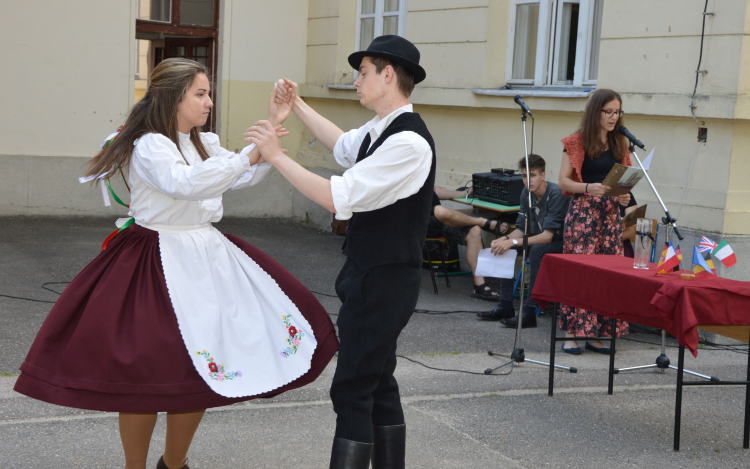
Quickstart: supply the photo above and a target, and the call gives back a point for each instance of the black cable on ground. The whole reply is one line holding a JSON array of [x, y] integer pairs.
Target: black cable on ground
[[447, 369], [27, 299]]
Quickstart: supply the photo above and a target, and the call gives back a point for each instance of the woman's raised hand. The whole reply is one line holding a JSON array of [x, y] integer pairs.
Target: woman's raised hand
[[598, 190]]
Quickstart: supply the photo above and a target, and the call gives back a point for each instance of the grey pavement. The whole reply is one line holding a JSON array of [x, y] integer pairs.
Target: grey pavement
[[455, 419]]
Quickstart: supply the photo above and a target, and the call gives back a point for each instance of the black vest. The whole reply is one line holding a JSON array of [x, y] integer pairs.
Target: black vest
[[393, 234]]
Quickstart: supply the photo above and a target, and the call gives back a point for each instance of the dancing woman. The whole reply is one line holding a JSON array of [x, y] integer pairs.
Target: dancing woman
[[175, 316], [592, 225]]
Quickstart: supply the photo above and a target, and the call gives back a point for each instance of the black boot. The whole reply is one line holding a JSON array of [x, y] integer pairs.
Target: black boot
[[502, 311], [389, 447], [347, 454], [528, 319]]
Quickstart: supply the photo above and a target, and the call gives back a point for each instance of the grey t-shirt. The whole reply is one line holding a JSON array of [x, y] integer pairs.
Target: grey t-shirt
[[549, 212]]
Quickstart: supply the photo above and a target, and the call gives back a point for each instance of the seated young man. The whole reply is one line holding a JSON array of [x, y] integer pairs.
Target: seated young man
[[464, 229], [548, 210]]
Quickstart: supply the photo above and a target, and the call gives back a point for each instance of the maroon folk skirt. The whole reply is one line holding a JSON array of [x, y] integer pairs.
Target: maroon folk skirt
[[111, 342]]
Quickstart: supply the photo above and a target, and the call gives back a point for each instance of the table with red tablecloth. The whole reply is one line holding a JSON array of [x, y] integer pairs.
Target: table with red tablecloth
[[610, 286]]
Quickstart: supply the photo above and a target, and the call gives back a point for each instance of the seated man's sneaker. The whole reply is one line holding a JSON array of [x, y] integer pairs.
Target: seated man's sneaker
[[502, 311]]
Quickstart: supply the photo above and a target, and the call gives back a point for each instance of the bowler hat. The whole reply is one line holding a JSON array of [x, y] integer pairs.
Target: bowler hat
[[395, 49]]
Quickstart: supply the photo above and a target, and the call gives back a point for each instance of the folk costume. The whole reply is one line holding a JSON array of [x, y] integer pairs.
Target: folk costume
[[592, 226], [174, 315], [386, 195]]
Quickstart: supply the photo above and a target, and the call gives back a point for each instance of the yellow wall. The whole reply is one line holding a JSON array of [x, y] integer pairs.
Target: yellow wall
[[649, 58], [61, 99]]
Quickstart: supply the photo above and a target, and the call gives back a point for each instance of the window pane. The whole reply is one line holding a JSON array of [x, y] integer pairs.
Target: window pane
[[178, 51], [390, 25], [567, 42], [155, 10], [366, 32], [524, 43], [391, 5], [197, 12], [368, 7], [596, 37]]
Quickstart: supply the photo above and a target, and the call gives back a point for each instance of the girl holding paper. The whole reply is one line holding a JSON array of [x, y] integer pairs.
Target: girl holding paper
[[592, 225]]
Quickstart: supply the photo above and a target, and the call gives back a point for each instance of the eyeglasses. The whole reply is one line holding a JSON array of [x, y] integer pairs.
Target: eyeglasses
[[610, 113]]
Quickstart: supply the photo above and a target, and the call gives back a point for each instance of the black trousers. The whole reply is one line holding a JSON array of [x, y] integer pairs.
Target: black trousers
[[377, 305]]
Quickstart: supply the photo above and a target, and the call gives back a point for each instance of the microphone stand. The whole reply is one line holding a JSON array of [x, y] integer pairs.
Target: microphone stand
[[517, 356], [662, 362]]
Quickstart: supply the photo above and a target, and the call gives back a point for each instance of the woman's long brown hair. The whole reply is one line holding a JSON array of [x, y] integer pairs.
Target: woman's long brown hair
[[156, 112], [591, 127]]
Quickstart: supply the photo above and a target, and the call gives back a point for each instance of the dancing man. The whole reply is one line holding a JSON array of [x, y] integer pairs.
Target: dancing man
[[386, 195]]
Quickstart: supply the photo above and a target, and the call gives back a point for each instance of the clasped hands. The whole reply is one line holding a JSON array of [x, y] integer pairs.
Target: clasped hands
[[265, 134]]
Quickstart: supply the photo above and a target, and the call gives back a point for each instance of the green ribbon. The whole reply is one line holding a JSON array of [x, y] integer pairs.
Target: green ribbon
[[117, 199]]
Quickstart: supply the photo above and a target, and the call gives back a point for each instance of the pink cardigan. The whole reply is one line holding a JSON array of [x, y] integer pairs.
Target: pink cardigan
[[573, 145]]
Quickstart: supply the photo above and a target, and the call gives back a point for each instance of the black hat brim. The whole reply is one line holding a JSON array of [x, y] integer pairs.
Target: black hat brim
[[355, 60]]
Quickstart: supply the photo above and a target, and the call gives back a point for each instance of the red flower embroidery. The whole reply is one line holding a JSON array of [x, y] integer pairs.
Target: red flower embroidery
[[292, 331], [212, 366]]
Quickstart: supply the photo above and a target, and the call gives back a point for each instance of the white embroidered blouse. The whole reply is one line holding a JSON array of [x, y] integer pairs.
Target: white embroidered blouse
[[165, 190]]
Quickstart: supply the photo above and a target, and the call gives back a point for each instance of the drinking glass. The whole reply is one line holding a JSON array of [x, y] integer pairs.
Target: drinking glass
[[643, 243]]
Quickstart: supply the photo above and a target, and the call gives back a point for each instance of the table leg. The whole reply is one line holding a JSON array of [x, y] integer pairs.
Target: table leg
[[746, 433], [552, 349], [678, 399], [613, 326]]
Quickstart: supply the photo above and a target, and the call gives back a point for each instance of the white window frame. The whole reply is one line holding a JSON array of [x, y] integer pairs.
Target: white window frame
[[378, 15], [547, 46]]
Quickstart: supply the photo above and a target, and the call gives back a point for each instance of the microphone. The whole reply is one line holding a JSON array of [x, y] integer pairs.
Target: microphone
[[623, 130], [523, 105]]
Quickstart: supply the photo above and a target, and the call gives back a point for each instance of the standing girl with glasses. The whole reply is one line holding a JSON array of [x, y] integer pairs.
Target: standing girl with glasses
[[174, 316], [592, 225]]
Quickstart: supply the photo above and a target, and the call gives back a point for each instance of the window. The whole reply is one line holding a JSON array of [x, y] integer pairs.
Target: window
[[378, 18], [553, 42]]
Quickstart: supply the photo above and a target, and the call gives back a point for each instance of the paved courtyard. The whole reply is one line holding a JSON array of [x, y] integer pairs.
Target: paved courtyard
[[455, 419]]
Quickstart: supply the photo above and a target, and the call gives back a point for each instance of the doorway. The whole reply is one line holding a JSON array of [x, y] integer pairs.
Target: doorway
[[177, 28]]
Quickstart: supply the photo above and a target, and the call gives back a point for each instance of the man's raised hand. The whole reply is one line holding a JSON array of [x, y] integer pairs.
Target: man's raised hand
[[279, 106], [264, 136]]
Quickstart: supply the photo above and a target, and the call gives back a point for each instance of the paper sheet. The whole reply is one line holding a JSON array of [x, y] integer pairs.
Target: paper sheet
[[647, 162], [502, 266]]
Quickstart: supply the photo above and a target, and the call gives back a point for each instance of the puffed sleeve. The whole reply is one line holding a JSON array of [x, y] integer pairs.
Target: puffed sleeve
[[252, 176], [396, 170], [347, 146], [160, 166]]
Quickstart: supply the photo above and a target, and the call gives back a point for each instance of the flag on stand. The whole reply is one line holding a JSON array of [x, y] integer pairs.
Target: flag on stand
[[670, 260], [724, 253], [706, 245], [701, 266]]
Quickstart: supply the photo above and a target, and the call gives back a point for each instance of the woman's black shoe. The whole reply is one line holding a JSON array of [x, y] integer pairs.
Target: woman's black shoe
[[162, 465]]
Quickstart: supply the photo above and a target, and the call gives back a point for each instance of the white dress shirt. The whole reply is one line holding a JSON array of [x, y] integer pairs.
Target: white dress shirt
[[397, 169], [167, 190]]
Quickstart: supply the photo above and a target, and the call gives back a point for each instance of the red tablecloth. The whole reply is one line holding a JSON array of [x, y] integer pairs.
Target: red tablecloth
[[609, 285]]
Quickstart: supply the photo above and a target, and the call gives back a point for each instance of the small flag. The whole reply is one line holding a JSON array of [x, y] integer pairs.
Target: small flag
[[710, 262], [679, 256], [724, 253], [670, 260], [663, 254], [700, 266], [706, 245]]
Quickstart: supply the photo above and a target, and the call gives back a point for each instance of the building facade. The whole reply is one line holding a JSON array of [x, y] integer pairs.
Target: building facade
[[478, 55]]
